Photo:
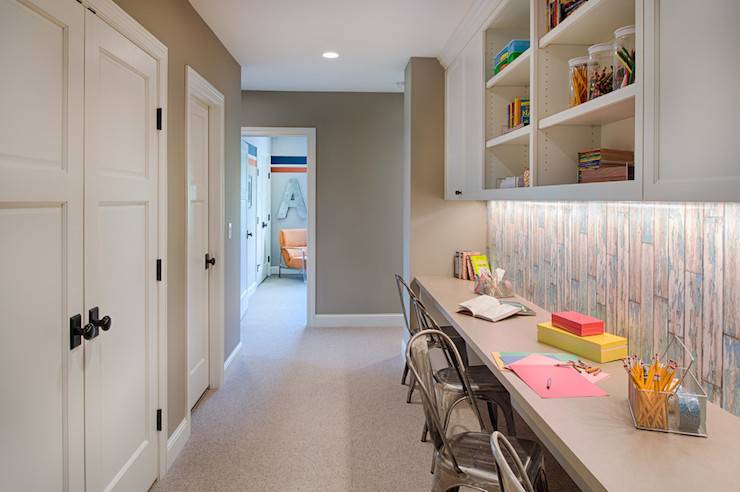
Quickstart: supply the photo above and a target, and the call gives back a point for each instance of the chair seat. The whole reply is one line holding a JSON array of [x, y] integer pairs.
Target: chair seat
[[481, 380], [473, 453]]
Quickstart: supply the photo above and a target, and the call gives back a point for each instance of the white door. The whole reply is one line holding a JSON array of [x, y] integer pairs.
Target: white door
[[198, 150], [251, 230], [263, 216], [243, 179], [120, 260], [41, 169]]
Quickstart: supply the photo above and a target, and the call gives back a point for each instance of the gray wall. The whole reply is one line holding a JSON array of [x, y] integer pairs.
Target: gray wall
[[436, 228], [359, 155], [191, 42]]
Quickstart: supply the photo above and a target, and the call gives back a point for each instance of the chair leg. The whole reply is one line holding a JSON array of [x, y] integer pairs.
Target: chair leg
[[279, 271], [405, 373], [509, 417], [424, 432], [492, 414], [411, 391]]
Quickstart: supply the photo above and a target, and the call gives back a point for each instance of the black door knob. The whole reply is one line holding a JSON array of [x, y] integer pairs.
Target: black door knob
[[103, 323], [77, 331], [89, 331], [210, 261], [264, 225]]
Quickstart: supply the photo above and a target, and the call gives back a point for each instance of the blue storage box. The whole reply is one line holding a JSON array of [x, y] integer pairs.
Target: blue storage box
[[518, 46]]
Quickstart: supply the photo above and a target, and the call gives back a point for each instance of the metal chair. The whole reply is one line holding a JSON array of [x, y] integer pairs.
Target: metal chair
[[510, 480], [464, 459], [403, 288], [484, 384]]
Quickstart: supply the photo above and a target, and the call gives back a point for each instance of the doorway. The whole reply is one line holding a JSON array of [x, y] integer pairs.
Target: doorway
[[205, 213], [277, 211]]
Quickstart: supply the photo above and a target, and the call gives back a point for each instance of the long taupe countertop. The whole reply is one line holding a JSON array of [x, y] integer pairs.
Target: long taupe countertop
[[594, 438]]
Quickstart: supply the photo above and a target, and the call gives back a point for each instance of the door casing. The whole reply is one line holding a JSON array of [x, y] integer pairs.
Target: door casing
[[198, 87]]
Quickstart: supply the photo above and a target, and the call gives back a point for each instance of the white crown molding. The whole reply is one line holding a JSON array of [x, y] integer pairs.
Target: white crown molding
[[474, 19], [114, 15]]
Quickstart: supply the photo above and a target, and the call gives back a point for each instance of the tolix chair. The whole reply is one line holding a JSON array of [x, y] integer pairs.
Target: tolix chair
[[412, 328], [464, 459]]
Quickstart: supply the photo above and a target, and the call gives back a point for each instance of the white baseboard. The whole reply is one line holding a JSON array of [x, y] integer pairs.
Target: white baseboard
[[274, 270], [252, 288], [243, 299], [232, 356], [357, 320], [176, 442]]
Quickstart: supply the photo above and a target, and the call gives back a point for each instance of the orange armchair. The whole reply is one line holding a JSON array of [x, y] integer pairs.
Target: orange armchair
[[293, 245]]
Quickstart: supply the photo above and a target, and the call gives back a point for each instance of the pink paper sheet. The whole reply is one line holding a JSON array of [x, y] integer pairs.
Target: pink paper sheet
[[543, 360], [564, 381]]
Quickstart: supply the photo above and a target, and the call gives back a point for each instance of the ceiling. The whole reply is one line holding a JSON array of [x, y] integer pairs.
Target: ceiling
[[279, 42]]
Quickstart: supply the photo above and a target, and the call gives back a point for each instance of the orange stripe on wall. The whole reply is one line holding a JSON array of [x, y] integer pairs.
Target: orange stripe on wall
[[288, 169]]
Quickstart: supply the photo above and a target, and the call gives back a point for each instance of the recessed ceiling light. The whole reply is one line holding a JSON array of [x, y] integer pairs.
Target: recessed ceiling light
[[330, 54]]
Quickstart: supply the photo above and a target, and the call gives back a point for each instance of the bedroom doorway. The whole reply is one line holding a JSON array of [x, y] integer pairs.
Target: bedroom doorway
[[277, 215]]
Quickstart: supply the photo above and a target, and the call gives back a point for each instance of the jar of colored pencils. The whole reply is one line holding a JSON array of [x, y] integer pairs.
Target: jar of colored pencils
[[578, 75], [600, 69], [624, 57]]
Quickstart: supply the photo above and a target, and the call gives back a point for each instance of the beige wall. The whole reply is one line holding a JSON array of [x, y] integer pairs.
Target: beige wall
[[359, 139], [191, 42], [436, 227]]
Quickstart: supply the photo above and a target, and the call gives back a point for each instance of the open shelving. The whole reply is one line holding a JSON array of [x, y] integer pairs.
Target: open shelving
[[548, 147]]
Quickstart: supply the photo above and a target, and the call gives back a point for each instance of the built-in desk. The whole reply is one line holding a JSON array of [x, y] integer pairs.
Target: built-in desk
[[593, 438]]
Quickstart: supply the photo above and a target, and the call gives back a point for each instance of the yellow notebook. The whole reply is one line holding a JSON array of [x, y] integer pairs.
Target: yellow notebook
[[598, 348]]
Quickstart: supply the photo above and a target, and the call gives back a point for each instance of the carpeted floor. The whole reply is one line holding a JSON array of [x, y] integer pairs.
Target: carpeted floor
[[305, 409], [311, 409]]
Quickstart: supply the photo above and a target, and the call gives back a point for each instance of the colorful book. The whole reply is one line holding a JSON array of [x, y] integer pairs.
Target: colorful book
[[598, 348], [480, 263]]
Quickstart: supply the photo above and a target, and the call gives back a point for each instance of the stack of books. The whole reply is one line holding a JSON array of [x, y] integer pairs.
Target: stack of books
[[468, 264], [517, 113], [601, 165], [559, 10]]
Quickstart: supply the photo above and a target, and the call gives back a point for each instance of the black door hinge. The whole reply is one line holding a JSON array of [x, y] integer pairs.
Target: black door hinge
[[159, 118], [268, 258], [268, 217], [159, 419], [159, 269], [268, 175]]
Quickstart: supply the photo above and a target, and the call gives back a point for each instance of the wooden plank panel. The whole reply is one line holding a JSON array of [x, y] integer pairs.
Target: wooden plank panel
[[731, 375], [714, 392], [711, 368], [661, 245], [612, 325], [634, 329], [693, 314], [732, 270], [660, 324], [694, 218], [646, 306], [635, 250], [623, 283], [676, 267]]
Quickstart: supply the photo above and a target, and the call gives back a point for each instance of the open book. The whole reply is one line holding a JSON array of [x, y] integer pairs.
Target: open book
[[487, 308]]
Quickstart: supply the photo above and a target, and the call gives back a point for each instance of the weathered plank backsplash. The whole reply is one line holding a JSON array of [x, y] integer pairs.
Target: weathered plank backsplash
[[647, 269]]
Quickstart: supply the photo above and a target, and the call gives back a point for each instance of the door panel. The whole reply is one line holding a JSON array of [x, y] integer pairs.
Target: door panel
[[252, 226], [41, 138], [197, 248], [120, 260]]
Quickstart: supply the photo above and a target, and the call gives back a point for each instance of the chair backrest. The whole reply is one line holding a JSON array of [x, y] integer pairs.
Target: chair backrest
[[503, 453], [420, 365], [405, 290], [292, 238]]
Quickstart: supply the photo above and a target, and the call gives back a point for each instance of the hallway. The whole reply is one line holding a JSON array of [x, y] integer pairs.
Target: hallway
[[305, 409]]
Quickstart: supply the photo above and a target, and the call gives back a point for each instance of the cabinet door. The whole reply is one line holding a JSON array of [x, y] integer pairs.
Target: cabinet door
[[464, 96], [473, 96], [454, 131], [692, 101]]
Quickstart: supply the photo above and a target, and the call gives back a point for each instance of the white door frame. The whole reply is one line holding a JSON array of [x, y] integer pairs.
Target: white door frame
[[310, 134], [117, 18], [198, 87]]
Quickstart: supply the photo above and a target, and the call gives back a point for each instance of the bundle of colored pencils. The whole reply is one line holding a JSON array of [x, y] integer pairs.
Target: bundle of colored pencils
[[625, 72], [657, 376]]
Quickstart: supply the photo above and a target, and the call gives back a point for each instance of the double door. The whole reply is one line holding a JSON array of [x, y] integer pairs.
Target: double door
[[78, 248]]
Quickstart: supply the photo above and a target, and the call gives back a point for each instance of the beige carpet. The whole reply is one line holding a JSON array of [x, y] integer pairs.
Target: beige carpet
[[307, 409]]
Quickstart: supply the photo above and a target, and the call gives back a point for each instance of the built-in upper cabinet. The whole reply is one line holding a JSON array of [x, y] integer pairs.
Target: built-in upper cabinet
[[678, 116], [464, 120]]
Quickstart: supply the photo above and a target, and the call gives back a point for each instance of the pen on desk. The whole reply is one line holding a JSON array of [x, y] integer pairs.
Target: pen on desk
[[549, 383]]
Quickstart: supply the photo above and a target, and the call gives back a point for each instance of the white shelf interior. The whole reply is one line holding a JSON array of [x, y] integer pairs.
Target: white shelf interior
[[593, 22], [516, 74], [520, 136], [615, 106]]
